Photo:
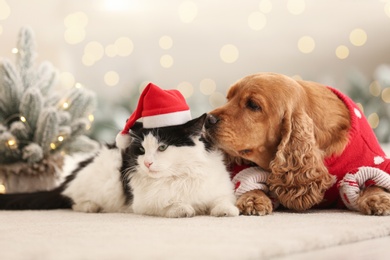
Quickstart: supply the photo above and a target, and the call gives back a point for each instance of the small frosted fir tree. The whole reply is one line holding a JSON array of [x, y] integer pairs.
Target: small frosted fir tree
[[38, 125]]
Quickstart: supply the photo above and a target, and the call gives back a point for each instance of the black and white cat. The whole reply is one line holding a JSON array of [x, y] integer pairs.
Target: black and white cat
[[169, 171]]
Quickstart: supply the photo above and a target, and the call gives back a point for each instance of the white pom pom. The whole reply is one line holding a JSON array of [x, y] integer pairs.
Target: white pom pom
[[123, 141]]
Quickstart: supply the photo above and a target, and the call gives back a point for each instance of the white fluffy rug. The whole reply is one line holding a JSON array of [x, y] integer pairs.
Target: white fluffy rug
[[64, 234]]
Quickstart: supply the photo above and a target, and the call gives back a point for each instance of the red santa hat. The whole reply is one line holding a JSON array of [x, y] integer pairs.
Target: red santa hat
[[157, 108]]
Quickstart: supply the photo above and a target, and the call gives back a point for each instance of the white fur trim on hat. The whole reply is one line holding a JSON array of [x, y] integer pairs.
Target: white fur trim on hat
[[123, 140], [169, 119]]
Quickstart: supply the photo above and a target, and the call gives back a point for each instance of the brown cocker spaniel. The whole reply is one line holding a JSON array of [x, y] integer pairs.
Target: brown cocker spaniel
[[310, 137]]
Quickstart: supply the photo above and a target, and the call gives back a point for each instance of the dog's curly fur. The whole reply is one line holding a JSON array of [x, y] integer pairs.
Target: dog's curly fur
[[288, 127]]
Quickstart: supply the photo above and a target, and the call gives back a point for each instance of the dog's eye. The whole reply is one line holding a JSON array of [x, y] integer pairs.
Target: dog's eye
[[252, 105]]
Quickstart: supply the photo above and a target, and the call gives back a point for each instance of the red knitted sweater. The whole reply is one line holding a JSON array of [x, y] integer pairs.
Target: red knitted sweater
[[363, 149]]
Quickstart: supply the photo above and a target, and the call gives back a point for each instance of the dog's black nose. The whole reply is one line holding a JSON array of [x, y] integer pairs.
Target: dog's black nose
[[211, 121]]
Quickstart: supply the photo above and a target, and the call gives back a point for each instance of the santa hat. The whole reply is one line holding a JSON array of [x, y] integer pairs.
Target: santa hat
[[157, 108]]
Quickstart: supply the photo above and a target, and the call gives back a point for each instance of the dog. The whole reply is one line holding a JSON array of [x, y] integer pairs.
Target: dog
[[315, 142]]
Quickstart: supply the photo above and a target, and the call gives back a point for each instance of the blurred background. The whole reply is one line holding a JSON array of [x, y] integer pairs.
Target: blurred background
[[201, 47]]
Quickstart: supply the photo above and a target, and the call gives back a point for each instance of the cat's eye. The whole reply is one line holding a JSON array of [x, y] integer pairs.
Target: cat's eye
[[142, 150], [162, 147]]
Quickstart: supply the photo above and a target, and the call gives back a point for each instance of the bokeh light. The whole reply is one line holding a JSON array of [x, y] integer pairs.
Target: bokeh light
[[360, 106], [165, 42], [75, 24], [375, 88], [217, 99], [111, 78], [358, 37], [265, 6], [78, 85], [306, 44], [373, 120], [207, 86], [2, 189], [342, 52], [74, 35], [67, 79], [387, 9], [257, 21], [91, 118], [186, 89], [188, 11], [124, 46], [229, 53], [88, 59], [166, 61], [94, 50], [111, 50], [296, 7], [5, 10], [386, 95], [77, 19]]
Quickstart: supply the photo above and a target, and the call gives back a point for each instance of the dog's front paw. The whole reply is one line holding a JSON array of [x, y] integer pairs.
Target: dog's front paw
[[225, 210], [180, 211], [254, 202], [374, 201]]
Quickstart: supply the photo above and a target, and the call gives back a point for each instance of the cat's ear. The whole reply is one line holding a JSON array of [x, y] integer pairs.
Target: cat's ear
[[196, 124]]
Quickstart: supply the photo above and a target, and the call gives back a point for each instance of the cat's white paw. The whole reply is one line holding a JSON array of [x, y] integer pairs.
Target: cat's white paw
[[225, 210], [180, 211], [86, 206]]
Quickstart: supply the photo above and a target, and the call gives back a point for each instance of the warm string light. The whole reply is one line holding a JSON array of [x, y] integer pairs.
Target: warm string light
[[12, 144], [24, 121], [2, 188], [65, 105], [15, 116], [58, 141], [78, 85]]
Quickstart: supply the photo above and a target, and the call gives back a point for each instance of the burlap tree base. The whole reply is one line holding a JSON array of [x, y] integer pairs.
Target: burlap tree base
[[29, 177]]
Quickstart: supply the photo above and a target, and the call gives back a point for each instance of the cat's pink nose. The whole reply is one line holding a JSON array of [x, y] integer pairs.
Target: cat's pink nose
[[147, 164]]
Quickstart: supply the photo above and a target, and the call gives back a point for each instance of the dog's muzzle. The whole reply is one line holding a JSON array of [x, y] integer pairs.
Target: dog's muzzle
[[211, 121]]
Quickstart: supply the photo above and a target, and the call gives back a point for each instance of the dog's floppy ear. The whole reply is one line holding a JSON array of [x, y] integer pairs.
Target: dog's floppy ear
[[299, 177]]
